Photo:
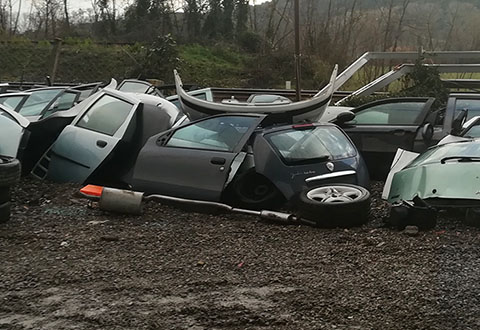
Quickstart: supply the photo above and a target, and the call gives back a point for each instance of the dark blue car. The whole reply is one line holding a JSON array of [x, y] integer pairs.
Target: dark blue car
[[234, 158]]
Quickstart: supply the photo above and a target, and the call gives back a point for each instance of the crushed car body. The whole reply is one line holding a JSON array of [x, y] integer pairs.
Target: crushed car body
[[445, 175], [105, 136], [242, 162]]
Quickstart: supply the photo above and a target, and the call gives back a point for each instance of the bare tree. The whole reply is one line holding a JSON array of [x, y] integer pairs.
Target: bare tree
[[400, 25], [451, 24], [67, 19]]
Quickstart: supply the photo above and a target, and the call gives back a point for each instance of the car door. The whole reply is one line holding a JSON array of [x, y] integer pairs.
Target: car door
[[381, 127], [89, 140], [193, 161]]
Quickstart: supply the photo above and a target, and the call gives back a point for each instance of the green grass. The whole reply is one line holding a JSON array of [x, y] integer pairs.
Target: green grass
[[212, 66]]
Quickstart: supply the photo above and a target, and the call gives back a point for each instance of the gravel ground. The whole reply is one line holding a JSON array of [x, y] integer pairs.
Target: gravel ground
[[68, 266]]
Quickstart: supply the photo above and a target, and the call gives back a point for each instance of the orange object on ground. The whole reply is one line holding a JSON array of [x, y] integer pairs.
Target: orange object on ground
[[92, 190]]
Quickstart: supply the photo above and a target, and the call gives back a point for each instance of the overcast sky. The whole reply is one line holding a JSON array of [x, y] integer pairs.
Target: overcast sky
[[76, 4]]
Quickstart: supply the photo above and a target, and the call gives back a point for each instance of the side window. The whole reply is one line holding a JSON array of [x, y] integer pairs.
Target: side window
[[64, 102], [473, 107], [402, 113], [220, 133], [133, 87], [11, 101], [37, 101], [106, 115]]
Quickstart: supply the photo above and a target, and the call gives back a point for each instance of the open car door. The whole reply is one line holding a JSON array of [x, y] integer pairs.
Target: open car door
[[381, 127], [92, 136], [194, 161]]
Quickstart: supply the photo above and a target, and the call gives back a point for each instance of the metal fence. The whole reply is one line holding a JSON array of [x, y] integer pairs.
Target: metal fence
[[28, 61]]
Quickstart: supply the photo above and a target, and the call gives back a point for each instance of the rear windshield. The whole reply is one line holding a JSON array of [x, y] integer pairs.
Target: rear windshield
[[467, 149], [320, 143]]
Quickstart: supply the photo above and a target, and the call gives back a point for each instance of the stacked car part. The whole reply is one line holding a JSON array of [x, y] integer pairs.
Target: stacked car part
[[9, 175]]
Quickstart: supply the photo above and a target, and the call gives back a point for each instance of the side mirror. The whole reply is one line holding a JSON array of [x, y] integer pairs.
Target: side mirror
[[344, 117], [457, 125], [427, 132]]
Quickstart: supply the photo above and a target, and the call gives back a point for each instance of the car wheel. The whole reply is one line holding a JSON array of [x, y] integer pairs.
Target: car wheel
[[254, 191], [334, 205], [9, 171], [4, 212]]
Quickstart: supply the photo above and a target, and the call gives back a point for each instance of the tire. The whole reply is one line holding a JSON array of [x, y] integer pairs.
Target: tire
[[4, 212], [4, 194], [334, 205], [9, 171], [252, 190]]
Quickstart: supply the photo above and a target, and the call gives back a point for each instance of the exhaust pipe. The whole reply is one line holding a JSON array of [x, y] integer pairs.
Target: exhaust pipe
[[130, 202]]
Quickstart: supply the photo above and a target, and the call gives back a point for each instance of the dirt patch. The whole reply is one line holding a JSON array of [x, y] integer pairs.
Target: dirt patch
[[68, 266]]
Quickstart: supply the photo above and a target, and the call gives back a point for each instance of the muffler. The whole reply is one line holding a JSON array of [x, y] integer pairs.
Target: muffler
[[130, 202]]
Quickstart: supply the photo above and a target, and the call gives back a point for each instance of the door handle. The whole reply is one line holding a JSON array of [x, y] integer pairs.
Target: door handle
[[399, 132], [101, 143], [218, 161]]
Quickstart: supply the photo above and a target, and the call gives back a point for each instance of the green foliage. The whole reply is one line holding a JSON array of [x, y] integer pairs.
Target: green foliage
[[424, 81], [158, 59], [250, 41], [213, 66]]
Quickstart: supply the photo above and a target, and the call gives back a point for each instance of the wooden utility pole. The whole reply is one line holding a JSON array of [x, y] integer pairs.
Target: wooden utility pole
[[297, 49]]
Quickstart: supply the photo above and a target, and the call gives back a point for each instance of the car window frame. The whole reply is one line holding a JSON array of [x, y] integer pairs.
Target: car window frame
[[163, 140], [94, 102], [428, 101], [312, 160]]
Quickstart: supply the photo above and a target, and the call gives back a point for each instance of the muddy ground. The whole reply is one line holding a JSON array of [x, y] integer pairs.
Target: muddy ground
[[67, 266]]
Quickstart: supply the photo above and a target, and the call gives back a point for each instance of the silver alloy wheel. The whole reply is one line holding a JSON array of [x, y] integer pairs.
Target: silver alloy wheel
[[334, 194]]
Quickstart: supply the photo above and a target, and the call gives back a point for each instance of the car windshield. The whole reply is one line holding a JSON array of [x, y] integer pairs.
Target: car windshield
[[318, 143], [467, 149], [37, 101]]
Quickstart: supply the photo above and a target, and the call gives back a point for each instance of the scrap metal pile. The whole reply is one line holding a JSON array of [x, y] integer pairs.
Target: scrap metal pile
[[263, 154]]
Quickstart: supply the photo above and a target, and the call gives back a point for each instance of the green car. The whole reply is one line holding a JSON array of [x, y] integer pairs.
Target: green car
[[446, 175]]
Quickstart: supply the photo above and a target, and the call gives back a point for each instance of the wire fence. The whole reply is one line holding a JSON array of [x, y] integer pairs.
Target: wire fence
[[28, 61]]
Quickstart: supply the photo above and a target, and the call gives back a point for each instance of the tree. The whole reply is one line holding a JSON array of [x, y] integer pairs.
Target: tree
[[193, 16], [211, 28], [227, 17], [242, 16]]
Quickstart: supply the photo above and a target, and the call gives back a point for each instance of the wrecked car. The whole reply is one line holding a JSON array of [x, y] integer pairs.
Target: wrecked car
[[106, 134], [444, 176], [232, 158], [36, 104], [433, 176]]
